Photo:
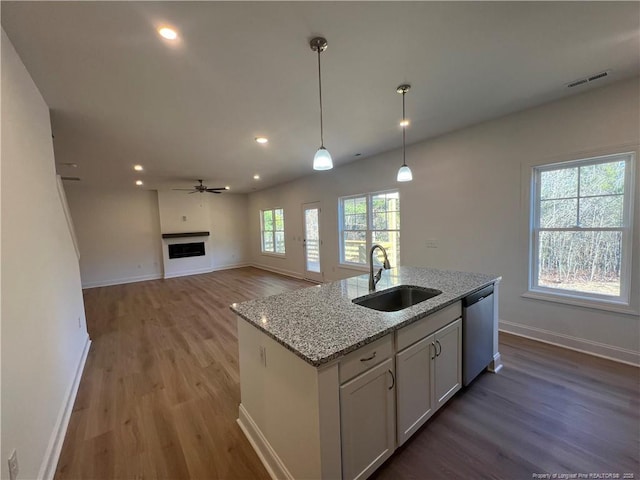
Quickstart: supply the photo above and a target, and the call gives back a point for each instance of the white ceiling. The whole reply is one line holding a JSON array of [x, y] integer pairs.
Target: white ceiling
[[120, 95]]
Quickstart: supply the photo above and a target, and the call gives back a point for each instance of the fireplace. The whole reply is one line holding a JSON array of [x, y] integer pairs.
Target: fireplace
[[186, 253], [182, 250]]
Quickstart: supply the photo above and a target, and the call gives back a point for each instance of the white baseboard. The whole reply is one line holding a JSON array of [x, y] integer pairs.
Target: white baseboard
[[157, 276], [230, 266], [268, 456], [281, 271], [200, 271], [120, 281], [590, 347], [186, 273], [52, 454]]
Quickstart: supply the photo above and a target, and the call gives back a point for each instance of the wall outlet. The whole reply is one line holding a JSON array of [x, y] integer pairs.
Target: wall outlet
[[79, 322], [13, 465], [431, 243], [184, 218]]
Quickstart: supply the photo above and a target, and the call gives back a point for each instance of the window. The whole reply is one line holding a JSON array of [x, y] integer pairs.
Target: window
[[581, 228], [272, 231], [367, 219]]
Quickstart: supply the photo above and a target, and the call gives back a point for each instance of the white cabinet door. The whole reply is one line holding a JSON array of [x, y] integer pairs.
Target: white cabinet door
[[448, 362], [368, 420], [414, 368], [429, 373]]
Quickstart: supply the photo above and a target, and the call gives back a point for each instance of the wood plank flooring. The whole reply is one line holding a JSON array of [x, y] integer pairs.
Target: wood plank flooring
[[160, 392]]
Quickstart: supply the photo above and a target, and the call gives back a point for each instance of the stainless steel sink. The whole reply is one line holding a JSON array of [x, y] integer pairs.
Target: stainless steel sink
[[396, 298]]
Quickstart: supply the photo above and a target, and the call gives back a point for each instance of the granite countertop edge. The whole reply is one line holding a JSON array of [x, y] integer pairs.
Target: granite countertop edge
[[388, 321]]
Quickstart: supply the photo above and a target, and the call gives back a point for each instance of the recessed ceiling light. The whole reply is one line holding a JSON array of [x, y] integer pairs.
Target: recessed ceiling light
[[256, 177], [404, 123], [168, 33], [262, 140], [139, 182], [227, 187], [138, 168]]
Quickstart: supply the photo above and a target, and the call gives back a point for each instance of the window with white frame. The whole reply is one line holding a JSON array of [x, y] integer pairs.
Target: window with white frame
[[272, 231], [581, 228], [367, 219]]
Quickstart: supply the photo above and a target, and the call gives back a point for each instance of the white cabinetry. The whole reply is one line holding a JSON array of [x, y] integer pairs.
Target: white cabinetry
[[368, 420], [415, 396], [429, 371], [342, 420], [448, 362]]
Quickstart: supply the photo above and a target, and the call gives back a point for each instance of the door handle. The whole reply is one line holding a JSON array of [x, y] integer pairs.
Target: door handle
[[393, 380], [440, 350]]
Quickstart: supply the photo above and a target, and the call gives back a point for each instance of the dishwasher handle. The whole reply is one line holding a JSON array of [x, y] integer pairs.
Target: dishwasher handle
[[477, 296]]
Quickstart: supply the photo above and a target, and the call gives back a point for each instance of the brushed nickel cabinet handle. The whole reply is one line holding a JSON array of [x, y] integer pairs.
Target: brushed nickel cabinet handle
[[434, 350], [440, 350], [393, 380], [368, 358]]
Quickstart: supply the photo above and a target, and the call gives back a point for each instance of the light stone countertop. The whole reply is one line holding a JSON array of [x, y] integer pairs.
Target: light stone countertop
[[321, 323]]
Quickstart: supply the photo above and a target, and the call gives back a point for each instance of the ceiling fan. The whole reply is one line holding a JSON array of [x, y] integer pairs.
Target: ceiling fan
[[203, 188]]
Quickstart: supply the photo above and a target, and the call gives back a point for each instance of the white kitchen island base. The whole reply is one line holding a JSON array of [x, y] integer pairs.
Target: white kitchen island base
[[329, 389], [289, 410]]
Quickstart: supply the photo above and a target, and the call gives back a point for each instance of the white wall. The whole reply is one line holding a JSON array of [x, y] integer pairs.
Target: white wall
[[470, 193], [229, 230], [223, 216], [44, 337], [182, 212], [118, 233]]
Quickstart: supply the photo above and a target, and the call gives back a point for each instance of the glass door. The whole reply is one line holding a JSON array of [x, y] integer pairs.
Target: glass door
[[312, 242]]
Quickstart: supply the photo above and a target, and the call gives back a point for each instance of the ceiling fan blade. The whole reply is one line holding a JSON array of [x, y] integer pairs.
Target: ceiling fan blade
[[194, 191], [215, 190]]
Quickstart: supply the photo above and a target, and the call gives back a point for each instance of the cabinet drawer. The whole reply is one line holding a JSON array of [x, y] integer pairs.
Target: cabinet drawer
[[426, 326], [366, 357]]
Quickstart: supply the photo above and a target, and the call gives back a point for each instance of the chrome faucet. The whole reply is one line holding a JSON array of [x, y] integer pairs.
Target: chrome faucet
[[386, 265]]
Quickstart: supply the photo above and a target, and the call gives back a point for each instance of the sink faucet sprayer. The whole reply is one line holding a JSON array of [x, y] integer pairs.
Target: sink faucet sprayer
[[386, 265]]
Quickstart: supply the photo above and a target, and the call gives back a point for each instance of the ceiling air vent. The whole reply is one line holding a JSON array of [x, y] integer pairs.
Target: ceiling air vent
[[592, 78], [598, 75], [72, 179]]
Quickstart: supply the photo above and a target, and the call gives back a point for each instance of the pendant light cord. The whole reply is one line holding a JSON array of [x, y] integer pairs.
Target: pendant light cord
[[320, 88], [404, 132]]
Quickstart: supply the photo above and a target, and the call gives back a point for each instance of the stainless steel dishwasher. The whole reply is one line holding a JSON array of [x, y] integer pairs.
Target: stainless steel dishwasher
[[477, 333]]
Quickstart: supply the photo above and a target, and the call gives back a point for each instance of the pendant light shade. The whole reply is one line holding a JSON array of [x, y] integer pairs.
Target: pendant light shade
[[322, 159], [404, 173]]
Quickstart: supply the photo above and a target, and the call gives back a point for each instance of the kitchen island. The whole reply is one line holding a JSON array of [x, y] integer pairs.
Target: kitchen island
[[330, 388]]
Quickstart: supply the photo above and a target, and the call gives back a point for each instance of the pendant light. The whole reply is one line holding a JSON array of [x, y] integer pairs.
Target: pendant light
[[404, 173], [322, 159]]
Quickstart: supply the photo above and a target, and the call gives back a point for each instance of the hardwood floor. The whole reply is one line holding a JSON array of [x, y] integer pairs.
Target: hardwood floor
[[160, 392], [548, 411]]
